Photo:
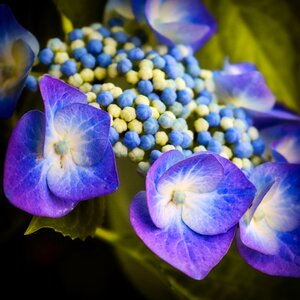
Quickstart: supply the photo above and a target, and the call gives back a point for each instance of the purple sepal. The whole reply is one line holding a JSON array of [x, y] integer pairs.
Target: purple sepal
[[193, 254]]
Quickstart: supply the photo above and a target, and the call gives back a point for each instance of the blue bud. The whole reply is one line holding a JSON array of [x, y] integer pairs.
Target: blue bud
[[243, 150], [104, 60], [113, 135], [226, 112], [207, 94], [151, 126], [104, 32], [31, 83], [203, 100], [105, 98], [175, 137], [194, 70], [176, 108], [171, 70], [165, 121], [191, 60], [187, 152], [136, 41], [214, 146], [124, 65], [232, 135], [203, 138], [154, 155], [186, 141], [158, 62], [75, 34], [168, 96], [213, 119], [120, 36], [136, 54], [184, 97], [79, 52], [69, 67], [88, 61], [153, 96], [143, 112], [131, 139], [258, 146], [126, 99], [147, 141], [94, 46], [46, 56], [145, 87], [115, 22], [189, 81], [176, 53], [240, 113]]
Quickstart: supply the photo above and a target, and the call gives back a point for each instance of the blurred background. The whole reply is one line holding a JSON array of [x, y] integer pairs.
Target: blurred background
[[46, 264]]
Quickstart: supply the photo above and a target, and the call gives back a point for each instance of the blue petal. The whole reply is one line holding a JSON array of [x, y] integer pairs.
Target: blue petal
[[238, 68], [174, 20], [193, 254], [85, 129], [284, 141], [138, 8], [247, 90], [25, 170], [11, 30], [272, 225], [20, 59], [76, 183], [269, 264], [161, 213]]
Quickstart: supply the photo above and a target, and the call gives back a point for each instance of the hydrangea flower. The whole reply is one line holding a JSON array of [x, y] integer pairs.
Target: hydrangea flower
[[269, 237], [18, 49], [243, 85], [189, 211], [61, 157]]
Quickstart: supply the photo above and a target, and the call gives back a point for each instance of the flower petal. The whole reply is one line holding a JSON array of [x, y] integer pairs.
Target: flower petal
[[272, 225], [284, 141], [238, 68], [215, 211], [173, 21], [269, 264], [191, 253], [138, 8], [25, 171], [85, 129], [70, 181], [11, 30], [247, 90], [160, 209]]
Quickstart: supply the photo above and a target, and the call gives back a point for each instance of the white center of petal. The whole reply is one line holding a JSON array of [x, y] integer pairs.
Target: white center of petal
[[178, 197], [61, 147]]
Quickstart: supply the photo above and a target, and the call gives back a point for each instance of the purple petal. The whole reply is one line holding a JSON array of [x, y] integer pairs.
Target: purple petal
[[58, 94], [85, 129], [193, 254], [70, 181], [239, 68], [272, 225], [138, 8], [174, 20], [25, 170], [269, 264], [11, 30], [160, 211], [216, 211], [247, 90], [284, 141]]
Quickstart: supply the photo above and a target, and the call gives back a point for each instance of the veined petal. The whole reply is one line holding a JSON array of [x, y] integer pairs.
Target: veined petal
[[76, 183], [273, 225], [247, 90], [284, 141], [160, 208], [269, 264], [11, 30], [194, 254], [172, 20], [216, 210], [25, 170], [85, 131]]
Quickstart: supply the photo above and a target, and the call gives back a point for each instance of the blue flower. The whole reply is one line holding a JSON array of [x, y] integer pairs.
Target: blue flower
[[18, 49], [269, 237], [190, 209], [58, 158], [243, 85]]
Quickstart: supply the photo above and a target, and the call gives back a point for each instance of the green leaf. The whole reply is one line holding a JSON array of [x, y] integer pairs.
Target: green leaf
[[80, 223], [81, 13], [265, 33]]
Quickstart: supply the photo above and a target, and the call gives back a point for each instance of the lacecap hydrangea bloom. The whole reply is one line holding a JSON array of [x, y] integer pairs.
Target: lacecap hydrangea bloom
[[18, 49], [194, 134]]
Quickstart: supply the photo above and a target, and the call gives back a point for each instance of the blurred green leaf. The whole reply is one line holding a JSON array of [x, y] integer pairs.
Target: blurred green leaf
[[265, 33], [81, 13], [80, 223]]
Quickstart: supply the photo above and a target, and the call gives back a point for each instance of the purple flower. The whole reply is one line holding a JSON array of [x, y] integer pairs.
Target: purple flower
[[243, 85], [58, 158], [18, 49], [189, 211], [269, 238]]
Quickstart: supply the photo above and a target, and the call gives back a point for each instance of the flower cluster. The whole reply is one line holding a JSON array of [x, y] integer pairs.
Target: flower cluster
[[213, 168]]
